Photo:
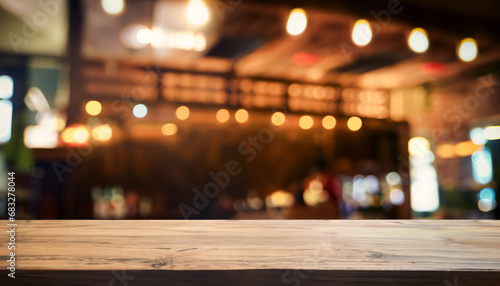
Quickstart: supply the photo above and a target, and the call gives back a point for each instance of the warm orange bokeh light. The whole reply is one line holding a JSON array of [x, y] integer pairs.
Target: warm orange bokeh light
[[182, 112], [241, 116], [102, 133], [93, 107], [75, 135], [222, 115], [169, 129], [306, 122], [329, 122], [354, 123], [278, 118]]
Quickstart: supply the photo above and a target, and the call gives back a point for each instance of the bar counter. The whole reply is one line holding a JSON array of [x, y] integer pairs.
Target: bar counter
[[253, 252]]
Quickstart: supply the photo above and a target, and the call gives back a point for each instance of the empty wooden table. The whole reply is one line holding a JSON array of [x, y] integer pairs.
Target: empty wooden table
[[254, 252]]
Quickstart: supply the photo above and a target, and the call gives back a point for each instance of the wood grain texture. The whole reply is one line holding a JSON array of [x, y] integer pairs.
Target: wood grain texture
[[273, 252]]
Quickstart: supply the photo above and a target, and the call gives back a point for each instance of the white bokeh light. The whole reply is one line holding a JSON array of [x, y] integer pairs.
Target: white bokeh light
[[362, 33], [113, 7], [418, 40], [297, 22], [140, 111], [467, 50]]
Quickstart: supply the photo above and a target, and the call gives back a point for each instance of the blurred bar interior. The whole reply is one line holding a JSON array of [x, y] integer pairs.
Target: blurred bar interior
[[250, 109]]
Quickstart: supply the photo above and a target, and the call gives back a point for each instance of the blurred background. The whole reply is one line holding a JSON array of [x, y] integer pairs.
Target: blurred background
[[250, 109]]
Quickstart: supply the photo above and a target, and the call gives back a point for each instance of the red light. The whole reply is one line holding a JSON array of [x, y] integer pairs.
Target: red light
[[305, 59], [434, 68]]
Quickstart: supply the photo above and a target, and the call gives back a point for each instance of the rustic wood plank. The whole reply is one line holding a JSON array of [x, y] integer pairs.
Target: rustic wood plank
[[271, 252]]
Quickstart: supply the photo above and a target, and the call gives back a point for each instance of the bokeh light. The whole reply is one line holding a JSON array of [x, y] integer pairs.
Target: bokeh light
[[445, 151], [144, 36], [354, 123], [397, 196], [418, 146], [113, 7], [393, 178], [467, 50], [329, 122], [280, 199], [6, 87], [75, 135], [487, 194], [278, 118], [93, 107], [486, 205], [102, 132], [169, 129], [466, 148], [297, 22], [477, 136], [197, 12], [306, 122], [222, 115], [5, 120], [492, 132], [241, 116], [140, 110], [362, 33], [182, 112], [136, 36], [482, 166], [418, 40]]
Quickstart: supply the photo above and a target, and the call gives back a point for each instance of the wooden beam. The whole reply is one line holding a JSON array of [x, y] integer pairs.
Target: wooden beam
[[271, 252]]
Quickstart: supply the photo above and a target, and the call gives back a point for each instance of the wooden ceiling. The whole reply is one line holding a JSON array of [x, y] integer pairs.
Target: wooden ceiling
[[251, 41]]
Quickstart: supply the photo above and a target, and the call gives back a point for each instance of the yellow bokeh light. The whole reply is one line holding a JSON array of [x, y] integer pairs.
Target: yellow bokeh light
[[200, 42], [280, 199], [314, 197], [418, 146], [418, 40], [75, 135], [329, 122], [445, 151], [182, 112], [102, 132], [81, 135], [67, 135], [306, 122], [93, 107], [222, 115], [169, 129], [197, 12], [241, 116], [467, 50], [297, 22], [278, 118], [354, 123], [466, 148]]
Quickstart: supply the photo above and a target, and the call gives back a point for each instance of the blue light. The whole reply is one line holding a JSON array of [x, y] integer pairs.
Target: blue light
[[482, 167], [487, 194]]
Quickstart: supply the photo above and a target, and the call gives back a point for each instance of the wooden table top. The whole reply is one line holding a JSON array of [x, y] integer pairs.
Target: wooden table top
[[444, 249]]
